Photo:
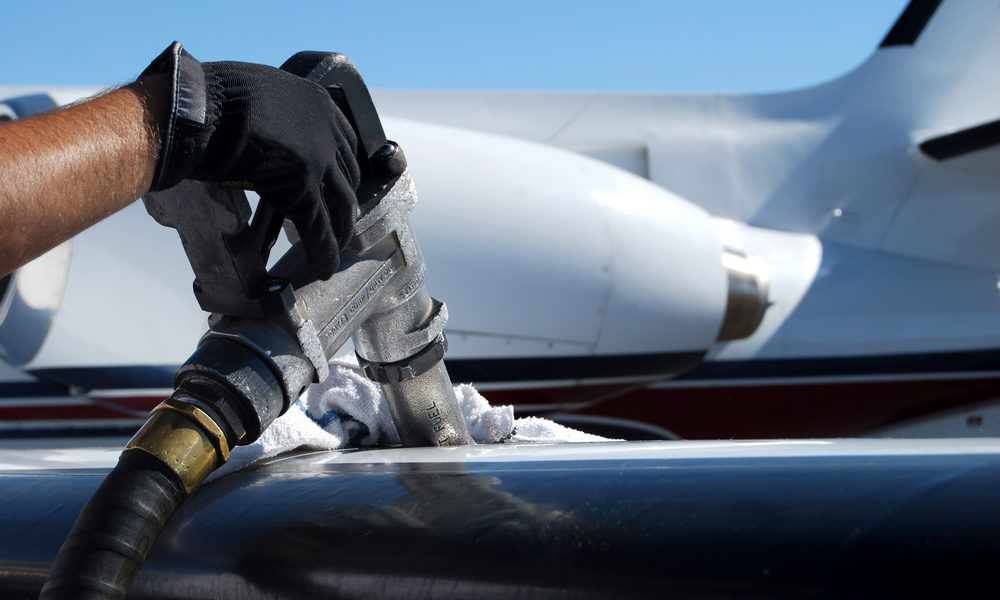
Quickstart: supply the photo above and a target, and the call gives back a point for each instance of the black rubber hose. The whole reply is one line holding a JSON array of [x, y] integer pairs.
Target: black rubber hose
[[110, 539]]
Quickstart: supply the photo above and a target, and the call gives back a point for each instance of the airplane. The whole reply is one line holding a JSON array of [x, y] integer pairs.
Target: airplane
[[676, 287], [818, 262]]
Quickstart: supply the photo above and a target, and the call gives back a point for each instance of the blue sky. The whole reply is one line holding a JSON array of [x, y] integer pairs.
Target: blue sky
[[690, 45]]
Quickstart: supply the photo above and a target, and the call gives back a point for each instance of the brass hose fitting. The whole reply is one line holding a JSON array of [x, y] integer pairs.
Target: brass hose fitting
[[185, 438]]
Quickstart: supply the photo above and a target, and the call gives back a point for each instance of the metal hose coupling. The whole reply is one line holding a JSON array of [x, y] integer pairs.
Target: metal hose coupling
[[185, 438]]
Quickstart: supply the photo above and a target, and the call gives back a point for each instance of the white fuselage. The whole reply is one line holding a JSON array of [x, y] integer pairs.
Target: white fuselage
[[577, 240]]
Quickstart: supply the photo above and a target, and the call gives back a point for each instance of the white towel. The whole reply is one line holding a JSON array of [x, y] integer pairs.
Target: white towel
[[348, 410]]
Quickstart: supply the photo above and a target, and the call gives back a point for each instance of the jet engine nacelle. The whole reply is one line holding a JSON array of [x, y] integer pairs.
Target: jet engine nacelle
[[541, 252]]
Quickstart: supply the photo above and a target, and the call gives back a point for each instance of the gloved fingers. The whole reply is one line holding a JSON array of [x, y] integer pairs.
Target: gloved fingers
[[312, 221], [347, 148], [341, 202]]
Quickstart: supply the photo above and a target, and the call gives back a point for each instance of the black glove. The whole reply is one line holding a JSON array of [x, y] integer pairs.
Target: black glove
[[257, 127]]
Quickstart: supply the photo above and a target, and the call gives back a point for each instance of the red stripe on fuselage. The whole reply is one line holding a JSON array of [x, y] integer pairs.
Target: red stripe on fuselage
[[771, 410], [827, 409], [99, 408]]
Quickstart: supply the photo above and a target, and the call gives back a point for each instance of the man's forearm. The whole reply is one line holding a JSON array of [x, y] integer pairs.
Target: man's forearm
[[63, 171]]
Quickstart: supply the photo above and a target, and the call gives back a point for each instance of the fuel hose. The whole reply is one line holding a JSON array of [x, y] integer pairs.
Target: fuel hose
[[167, 459]]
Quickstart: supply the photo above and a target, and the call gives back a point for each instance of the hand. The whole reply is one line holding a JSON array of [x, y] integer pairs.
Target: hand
[[260, 128]]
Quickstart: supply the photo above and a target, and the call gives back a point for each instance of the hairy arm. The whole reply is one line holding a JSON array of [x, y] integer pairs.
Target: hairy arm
[[65, 170]]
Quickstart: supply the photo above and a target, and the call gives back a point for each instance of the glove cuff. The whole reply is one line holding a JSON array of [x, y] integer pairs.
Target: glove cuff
[[181, 147]]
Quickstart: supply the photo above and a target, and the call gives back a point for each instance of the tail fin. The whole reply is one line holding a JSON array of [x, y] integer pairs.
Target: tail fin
[[934, 79], [938, 64]]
